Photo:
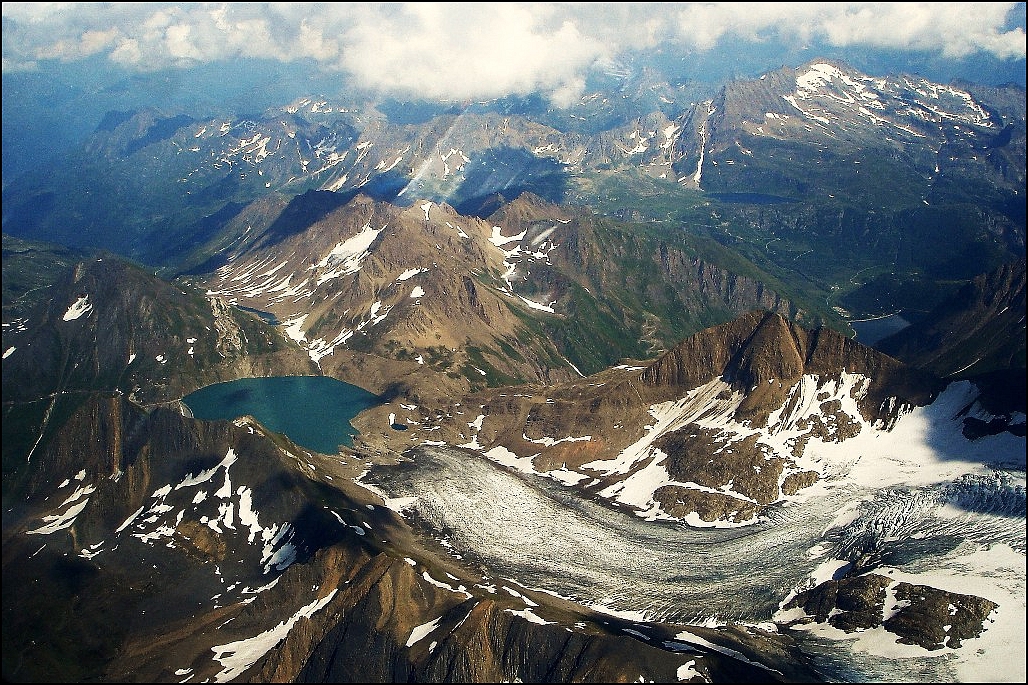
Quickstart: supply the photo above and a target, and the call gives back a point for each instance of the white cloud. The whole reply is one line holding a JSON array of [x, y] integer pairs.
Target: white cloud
[[470, 51], [482, 50], [953, 29]]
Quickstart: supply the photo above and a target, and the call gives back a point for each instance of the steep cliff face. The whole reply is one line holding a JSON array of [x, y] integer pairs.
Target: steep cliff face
[[764, 356]]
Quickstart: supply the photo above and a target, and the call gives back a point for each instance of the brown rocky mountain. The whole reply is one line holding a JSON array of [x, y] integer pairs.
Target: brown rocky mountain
[[764, 356], [714, 430], [164, 547], [168, 547], [444, 303]]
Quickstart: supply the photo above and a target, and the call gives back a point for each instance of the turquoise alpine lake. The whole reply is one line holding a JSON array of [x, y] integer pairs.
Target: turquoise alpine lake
[[313, 411]]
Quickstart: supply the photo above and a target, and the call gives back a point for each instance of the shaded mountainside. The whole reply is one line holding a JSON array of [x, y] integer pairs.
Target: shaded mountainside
[[166, 174], [30, 268], [117, 558], [980, 329], [714, 430], [978, 333], [437, 299], [108, 325], [152, 547]]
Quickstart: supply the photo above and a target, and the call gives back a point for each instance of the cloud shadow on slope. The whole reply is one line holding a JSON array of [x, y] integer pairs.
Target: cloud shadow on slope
[[506, 172]]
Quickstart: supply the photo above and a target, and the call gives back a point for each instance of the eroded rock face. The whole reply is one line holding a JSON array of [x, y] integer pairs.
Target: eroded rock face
[[795, 482], [680, 502], [936, 618], [437, 298], [705, 456], [916, 614], [849, 604]]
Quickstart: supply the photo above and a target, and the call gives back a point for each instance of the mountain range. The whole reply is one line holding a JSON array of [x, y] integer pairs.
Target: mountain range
[[624, 428], [775, 167]]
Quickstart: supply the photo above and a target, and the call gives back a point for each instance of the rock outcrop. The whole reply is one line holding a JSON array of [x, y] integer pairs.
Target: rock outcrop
[[915, 614]]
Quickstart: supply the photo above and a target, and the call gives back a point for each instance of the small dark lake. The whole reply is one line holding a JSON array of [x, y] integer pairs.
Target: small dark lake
[[314, 411], [267, 316], [870, 331]]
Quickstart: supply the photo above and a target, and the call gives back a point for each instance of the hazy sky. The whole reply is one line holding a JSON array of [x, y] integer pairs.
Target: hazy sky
[[466, 50]]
